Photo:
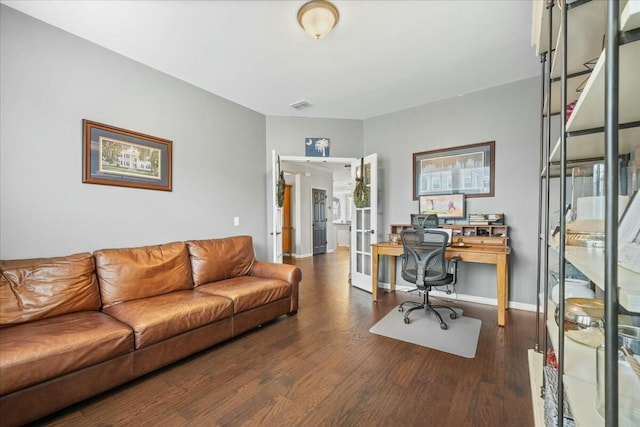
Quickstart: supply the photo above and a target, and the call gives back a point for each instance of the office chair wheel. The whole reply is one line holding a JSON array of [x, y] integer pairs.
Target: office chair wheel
[[443, 326], [453, 316], [401, 309], [407, 320]]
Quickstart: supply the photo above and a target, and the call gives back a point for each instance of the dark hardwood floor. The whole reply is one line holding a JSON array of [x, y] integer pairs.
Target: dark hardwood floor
[[323, 367]]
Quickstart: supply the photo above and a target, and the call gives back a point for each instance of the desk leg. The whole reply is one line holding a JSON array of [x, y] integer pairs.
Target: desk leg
[[392, 273], [374, 274], [502, 274]]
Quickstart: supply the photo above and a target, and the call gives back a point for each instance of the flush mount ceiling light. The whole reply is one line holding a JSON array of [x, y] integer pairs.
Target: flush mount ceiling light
[[318, 17]]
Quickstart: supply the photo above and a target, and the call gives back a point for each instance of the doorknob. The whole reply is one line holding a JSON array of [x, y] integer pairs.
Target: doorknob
[[372, 231]]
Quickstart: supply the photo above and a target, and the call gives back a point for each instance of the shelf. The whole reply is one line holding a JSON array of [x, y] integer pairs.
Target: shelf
[[580, 359], [494, 234], [583, 402], [585, 144], [586, 29], [535, 381], [590, 261], [591, 146], [589, 110], [572, 93], [540, 27], [587, 26], [579, 376], [630, 17]]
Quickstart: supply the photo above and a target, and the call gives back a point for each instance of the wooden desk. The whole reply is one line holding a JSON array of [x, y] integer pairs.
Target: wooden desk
[[497, 255]]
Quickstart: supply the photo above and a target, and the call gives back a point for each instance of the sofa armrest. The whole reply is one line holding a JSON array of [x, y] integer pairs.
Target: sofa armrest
[[289, 273]]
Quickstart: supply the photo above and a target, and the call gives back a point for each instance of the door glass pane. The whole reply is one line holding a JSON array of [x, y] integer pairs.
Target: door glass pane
[[367, 264], [359, 263], [359, 242], [366, 213]]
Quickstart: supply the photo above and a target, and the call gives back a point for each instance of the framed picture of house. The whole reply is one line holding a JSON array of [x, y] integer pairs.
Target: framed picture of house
[[467, 169], [115, 156]]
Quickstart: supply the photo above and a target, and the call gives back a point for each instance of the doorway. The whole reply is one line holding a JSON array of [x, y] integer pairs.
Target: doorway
[[303, 174], [319, 221]]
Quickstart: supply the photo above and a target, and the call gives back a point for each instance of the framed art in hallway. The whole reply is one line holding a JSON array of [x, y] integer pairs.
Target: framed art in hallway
[[115, 156], [467, 169]]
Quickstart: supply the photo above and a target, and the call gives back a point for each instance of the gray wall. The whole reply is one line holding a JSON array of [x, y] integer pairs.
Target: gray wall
[[50, 81], [287, 135], [507, 115]]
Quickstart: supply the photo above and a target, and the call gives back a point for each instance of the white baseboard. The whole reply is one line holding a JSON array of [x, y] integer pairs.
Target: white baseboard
[[522, 306], [302, 255], [468, 298], [310, 255]]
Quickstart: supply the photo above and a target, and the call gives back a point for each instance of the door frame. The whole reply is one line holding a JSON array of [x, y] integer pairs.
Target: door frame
[[312, 161]]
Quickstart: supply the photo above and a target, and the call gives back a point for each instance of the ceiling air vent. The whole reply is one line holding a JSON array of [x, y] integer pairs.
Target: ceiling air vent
[[300, 105]]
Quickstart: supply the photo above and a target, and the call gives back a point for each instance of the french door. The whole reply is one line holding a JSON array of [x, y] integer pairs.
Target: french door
[[276, 212], [364, 223]]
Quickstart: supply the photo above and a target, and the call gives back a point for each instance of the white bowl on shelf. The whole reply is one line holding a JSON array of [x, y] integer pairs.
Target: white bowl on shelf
[[573, 288]]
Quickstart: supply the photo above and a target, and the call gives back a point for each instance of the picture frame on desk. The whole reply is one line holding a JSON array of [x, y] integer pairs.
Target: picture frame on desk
[[467, 169], [446, 206]]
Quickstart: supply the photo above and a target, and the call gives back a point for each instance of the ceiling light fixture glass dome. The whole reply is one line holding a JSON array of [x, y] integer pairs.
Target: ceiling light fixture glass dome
[[318, 17]]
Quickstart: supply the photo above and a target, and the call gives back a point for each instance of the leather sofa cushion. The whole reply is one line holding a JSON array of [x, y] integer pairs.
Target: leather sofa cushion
[[33, 289], [135, 273], [34, 352], [157, 318], [219, 259], [248, 292]]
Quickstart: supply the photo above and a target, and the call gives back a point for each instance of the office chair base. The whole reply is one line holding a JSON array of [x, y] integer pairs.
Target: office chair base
[[427, 307]]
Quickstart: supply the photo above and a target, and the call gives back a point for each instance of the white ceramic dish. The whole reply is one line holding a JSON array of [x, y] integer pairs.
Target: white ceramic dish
[[573, 288]]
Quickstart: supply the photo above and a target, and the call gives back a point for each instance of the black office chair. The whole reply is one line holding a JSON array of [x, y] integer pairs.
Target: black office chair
[[425, 265]]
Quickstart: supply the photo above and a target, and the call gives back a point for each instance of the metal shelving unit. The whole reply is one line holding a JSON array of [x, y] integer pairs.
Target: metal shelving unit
[[591, 55]]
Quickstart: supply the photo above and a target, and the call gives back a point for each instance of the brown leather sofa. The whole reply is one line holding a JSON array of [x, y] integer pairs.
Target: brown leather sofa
[[72, 327]]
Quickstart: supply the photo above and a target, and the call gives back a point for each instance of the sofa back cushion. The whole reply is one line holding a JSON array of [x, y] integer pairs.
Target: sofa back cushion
[[134, 273], [219, 259], [32, 289]]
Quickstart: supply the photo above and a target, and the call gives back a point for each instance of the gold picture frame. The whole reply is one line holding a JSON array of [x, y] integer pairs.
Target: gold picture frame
[[115, 156]]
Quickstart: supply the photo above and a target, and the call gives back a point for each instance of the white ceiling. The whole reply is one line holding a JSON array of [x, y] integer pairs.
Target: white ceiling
[[383, 56]]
